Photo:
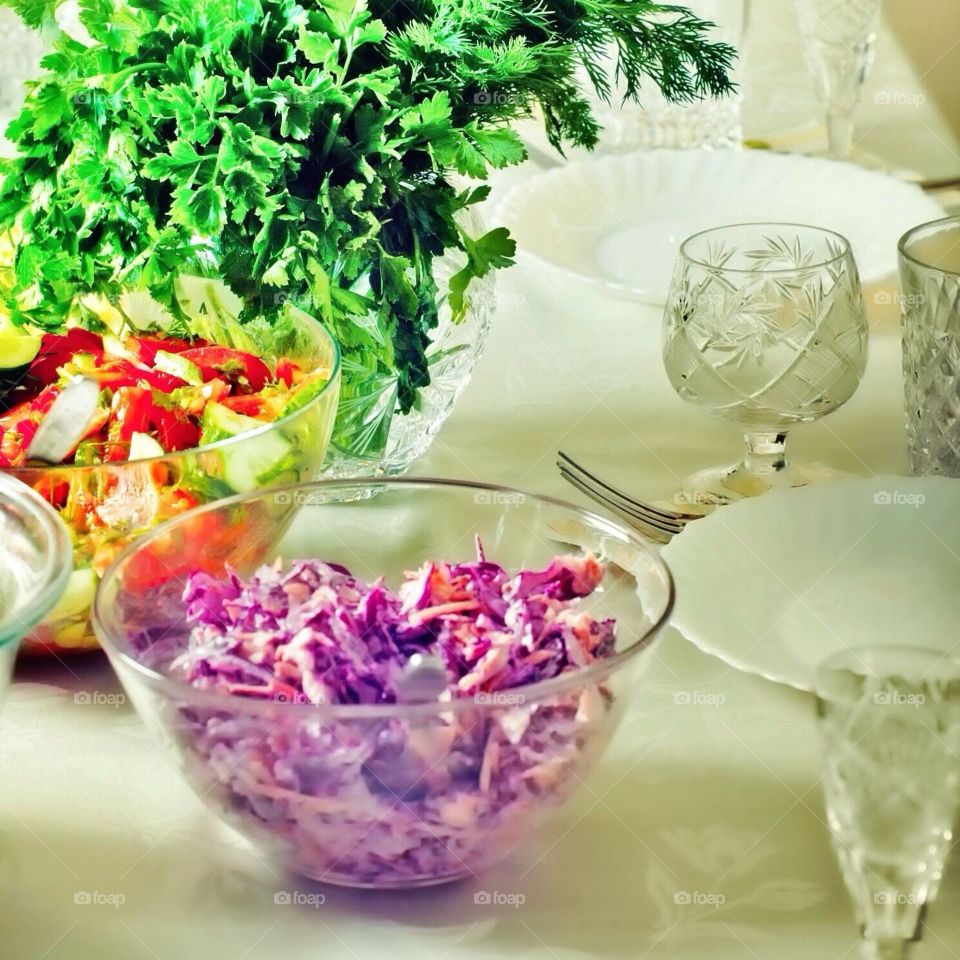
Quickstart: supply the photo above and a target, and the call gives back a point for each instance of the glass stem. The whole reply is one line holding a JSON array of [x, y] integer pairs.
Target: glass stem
[[840, 133], [766, 453], [894, 949]]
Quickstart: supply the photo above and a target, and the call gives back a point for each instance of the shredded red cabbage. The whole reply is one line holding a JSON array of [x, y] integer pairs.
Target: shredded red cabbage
[[393, 801], [316, 633]]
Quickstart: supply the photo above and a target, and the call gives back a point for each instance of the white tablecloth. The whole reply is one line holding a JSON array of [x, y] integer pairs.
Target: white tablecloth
[[700, 835]]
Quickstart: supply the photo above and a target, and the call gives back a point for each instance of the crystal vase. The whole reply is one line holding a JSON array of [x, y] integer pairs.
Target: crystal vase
[[372, 436]]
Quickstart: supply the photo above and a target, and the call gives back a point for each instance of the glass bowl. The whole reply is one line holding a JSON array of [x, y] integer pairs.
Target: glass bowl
[[106, 505], [35, 564], [382, 795]]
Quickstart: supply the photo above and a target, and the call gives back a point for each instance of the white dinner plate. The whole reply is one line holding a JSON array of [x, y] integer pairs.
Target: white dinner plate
[[775, 584], [617, 221]]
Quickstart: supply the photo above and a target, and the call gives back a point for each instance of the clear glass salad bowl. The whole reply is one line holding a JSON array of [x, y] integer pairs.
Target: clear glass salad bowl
[[382, 794], [106, 505], [35, 564]]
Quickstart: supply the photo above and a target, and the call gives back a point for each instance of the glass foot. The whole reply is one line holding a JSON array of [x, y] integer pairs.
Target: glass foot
[[718, 486]]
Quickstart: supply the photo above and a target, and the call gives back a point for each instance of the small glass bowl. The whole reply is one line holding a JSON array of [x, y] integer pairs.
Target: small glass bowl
[[35, 564], [382, 795]]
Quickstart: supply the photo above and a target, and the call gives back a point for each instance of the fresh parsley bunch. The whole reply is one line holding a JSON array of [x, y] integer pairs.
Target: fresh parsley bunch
[[304, 148]]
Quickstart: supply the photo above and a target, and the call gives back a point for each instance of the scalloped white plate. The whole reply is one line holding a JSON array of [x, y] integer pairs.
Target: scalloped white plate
[[776, 584], [617, 221]]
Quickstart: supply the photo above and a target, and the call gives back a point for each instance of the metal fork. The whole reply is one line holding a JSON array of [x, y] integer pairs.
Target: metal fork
[[657, 523]]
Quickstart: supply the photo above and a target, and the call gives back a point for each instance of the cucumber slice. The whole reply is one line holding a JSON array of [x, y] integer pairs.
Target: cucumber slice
[[77, 598], [143, 447], [17, 348], [220, 423], [307, 391], [250, 466], [178, 366], [245, 466]]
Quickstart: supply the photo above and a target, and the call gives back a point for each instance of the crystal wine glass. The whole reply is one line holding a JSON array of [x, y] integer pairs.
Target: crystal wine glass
[[839, 37], [765, 325], [890, 720]]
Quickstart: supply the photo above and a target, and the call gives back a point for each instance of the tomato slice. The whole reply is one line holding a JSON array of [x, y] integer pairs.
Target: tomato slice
[[233, 365]]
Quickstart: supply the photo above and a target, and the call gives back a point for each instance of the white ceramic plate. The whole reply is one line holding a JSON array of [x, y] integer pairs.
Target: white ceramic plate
[[617, 221], [774, 585]]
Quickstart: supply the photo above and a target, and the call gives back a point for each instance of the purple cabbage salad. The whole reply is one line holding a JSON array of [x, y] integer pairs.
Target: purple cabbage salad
[[393, 800]]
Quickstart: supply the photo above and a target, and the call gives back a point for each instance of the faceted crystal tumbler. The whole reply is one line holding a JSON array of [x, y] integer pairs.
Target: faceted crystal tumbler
[[930, 308]]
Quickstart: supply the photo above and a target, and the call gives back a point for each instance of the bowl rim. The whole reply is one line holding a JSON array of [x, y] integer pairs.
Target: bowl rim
[[332, 381], [529, 693], [903, 246], [57, 560]]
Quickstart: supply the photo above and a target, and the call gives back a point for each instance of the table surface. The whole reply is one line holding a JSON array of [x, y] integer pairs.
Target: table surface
[[709, 793]]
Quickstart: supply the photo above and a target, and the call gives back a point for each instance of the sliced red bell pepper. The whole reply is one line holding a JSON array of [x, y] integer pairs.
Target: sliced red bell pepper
[[56, 349], [131, 412], [288, 371], [53, 488], [19, 425], [32, 409], [232, 365], [250, 405], [175, 429], [26, 430]]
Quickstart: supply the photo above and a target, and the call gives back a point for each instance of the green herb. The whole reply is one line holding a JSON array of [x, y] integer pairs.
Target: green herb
[[305, 150]]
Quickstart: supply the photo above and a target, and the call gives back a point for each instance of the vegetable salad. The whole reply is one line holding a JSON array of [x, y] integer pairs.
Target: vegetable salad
[[181, 420], [158, 394]]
